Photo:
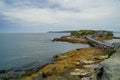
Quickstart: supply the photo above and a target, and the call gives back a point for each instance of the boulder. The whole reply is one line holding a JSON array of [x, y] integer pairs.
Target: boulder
[[111, 67]]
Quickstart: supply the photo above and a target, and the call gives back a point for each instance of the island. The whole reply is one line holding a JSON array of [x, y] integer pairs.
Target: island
[[79, 36]]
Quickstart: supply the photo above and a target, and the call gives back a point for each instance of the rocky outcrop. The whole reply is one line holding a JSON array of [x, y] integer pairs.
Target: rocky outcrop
[[111, 68], [79, 64], [71, 39], [116, 37], [94, 33], [79, 36]]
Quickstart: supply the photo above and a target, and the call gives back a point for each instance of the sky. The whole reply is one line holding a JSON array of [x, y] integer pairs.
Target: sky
[[36, 16]]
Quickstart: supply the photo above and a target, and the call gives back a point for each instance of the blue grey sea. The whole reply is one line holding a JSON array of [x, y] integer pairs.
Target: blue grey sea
[[31, 49]]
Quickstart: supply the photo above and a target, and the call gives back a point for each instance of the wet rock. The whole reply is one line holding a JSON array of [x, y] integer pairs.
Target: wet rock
[[4, 71], [59, 57]]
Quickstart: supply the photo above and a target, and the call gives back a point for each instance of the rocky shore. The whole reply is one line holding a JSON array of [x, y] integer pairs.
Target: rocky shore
[[71, 39], [79, 64], [79, 36]]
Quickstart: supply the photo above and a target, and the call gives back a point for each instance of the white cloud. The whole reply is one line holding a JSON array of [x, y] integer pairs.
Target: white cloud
[[96, 12]]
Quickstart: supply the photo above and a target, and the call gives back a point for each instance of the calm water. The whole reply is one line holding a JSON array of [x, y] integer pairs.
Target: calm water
[[30, 50]]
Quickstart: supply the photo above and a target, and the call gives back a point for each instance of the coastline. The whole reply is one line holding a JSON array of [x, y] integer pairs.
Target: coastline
[[75, 64]]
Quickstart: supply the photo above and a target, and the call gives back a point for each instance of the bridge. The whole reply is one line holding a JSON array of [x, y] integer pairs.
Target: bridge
[[99, 44]]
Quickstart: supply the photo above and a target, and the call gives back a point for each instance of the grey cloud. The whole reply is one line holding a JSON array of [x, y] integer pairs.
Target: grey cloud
[[31, 3], [37, 4]]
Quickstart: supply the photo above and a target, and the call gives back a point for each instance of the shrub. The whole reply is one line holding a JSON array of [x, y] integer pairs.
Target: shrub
[[82, 32]]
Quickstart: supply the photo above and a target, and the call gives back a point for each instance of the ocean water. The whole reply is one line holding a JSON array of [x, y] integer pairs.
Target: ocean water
[[117, 34], [28, 50]]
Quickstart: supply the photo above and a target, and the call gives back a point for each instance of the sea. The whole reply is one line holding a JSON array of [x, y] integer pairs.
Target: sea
[[29, 50]]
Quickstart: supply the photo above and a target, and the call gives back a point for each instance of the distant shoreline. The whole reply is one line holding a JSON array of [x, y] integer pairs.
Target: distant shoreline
[[59, 31], [69, 31]]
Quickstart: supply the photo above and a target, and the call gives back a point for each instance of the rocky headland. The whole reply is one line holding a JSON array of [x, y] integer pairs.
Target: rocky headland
[[79, 36]]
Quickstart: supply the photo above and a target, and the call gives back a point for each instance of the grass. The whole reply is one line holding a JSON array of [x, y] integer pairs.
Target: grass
[[110, 53], [83, 32]]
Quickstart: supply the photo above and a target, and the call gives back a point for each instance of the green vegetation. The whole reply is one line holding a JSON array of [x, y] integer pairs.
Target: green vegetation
[[82, 32], [110, 33], [111, 53], [98, 33]]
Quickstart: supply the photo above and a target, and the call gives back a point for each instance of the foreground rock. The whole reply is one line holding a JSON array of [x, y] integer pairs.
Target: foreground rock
[[80, 64], [111, 67]]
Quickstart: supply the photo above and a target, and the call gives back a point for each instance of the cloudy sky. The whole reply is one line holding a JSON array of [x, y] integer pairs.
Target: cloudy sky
[[50, 15]]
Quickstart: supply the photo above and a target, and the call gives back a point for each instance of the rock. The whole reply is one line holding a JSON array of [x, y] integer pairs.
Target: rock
[[80, 72], [111, 67], [70, 65], [101, 57], [91, 66], [88, 62], [79, 36], [51, 72], [71, 39], [59, 57], [77, 63]]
